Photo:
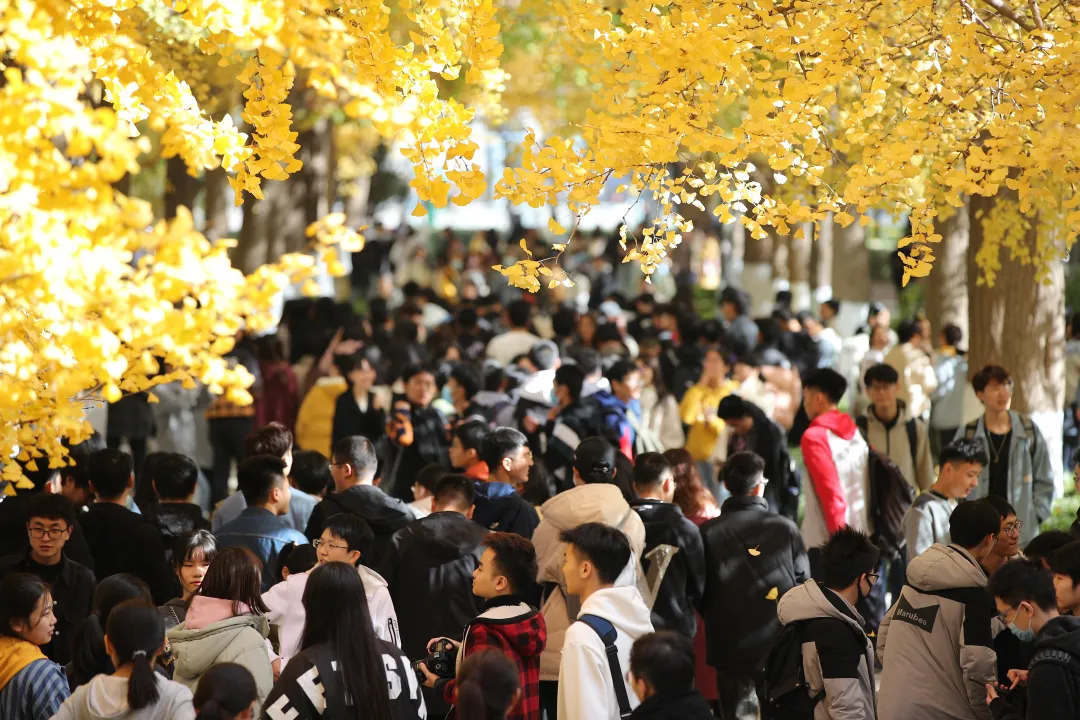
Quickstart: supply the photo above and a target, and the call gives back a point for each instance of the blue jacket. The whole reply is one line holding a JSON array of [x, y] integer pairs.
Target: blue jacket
[[500, 508], [614, 417], [264, 534]]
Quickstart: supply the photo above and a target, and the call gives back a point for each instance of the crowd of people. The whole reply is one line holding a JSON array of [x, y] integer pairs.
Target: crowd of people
[[455, 506]]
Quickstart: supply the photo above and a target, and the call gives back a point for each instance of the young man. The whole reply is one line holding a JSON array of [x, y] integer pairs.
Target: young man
[[1064, 563], [353, 468], [740, 330], [738, 582], [618, 410], [465, 382], [838, 657], [415, 433], [346, 539], [935, 643], [662, 673], [498, 504], [569, 422], [1019, 470], [891, 429], [1024, 595], [120, 540], [310, 481], [423, 503], [914, 368], [174, 479], [466, 443], [591, 685], [753, 431], [516, 341], [677, 574], [71, 585], [505, 575], [260, 527], [273, 439], [927, 522]]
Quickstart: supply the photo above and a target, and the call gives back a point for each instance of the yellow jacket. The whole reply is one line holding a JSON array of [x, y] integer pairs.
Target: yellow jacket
[[315, 420], [705, 427]]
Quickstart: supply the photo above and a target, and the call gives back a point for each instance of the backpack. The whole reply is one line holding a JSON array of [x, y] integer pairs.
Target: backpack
[[972, 428], [786, 688], [912, 435], [608, 634], [891, 496], [1056, 656]]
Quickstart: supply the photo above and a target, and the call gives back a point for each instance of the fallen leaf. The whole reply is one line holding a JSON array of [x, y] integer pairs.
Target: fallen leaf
[[773, 594], [754, 551]]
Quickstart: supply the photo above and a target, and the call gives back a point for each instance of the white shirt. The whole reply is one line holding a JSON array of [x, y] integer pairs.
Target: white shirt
[[504, 348]]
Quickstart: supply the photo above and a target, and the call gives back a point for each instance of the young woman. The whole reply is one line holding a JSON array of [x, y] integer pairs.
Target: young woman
[[357, 411], [488, 685], [191, 559], [225, 622], [90, 658], [659, 409], [32, 687], [226, 692], [698, 410], [342, 658], [134, 639]]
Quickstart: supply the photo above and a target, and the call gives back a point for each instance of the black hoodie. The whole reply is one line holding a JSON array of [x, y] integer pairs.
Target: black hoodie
[[385, 515], [1053, 687], [688, 705], [684, 583]]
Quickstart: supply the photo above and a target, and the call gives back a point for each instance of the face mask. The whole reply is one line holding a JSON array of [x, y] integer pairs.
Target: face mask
[[446, 394], [1023, 635]]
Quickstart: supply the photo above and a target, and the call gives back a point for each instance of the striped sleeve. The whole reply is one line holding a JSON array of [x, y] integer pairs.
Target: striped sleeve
[[45, 686]]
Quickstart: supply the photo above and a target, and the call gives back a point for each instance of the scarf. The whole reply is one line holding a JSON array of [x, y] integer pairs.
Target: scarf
[[16, 654]]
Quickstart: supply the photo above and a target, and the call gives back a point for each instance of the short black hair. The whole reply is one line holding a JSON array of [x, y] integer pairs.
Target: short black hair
[[833, 305], [515, 559], [518, 312], [258, 475], [952, 334], [564, 322], [881, 373], [353, 531], [296, 558], [110, 472], [175, 476], [989, 374], [273, 439], [846, 556], [971, 522], [201, 542], [589, 360], [1023, 580], [544, 354], [500, 443], [962, 451], [607, 332], [471, 434], [454, 490], [469, 377], [908, 329], [742, 471], [494, 377], [50, 506], [1001, 505], [79, 454], [429, 476], [415, 369], [665, 661], [737, 298], [1045, 544], [827, 381], [311, 472], [619, 370], [650, 468], [604, 546], [359, 452], [733, 407], [1065, 560], [571, 377]]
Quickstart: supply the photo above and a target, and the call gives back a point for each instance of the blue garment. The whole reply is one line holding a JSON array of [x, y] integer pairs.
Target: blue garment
[[264, 534], [499, 507], [300, 507], [35, 693], [614, 418]]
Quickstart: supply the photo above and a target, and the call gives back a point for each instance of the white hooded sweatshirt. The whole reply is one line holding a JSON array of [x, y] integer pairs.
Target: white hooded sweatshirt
[[586, 691], [105, 697]]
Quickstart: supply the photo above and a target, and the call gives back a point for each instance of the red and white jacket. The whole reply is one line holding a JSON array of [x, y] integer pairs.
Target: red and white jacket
[[837, 461]]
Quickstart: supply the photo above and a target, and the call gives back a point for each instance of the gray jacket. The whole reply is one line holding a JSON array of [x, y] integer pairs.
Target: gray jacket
[[935, 642], [927, 523], [240, 639], [1031, 477], [916, 465], [105, 698]]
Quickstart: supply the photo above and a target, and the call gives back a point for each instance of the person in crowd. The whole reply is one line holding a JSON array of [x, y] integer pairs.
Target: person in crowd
[[343, 669], [935, 644], [174, 417], [838, 657], [680, 572], [752, 556], [295, 559], [698, 410], [697, 503], [1008, 540], [753, 431], [494, 400], [914, 368], [122, 541], [927, 521], [260, 527], [423, 503], [134, 639], [466, 443], [618, 410], [353, 468], [429, 566], [947, 401], [226, 692], [1064, 564], [174, 479], [192, 554], [498, 505], [828, 341], [488, 686], [662, 674], [89, 655], [226, 623], [517, 340], [569, 422], [594, 499], [1043, 545], [358, 411], [130, 418], [346, 539], [279, 399], [32, 687], [890, 428], [1024, 595], [315, 419], [51, 519], [274, 440], [746, 371], [464, 384], [534, 394], [878, 344], [590, 362], [659, 409], [415, 432], [1019, 470], [229, 424], [505, 575], [592, 683], [740, 329], [310, 480]]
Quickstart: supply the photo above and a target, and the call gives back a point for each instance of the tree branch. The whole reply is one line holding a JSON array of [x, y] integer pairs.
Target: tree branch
[[1034, 6], [1006, 11]]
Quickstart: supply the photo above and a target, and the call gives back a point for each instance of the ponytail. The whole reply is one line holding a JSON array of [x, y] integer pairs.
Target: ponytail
[[594, 460], [137, 632], [488, 686], [89, 657], [470, 701], [142, 685]]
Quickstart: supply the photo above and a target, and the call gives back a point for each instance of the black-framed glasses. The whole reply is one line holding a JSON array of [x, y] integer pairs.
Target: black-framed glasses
[[319, 543], [53, 533], [873, 577]]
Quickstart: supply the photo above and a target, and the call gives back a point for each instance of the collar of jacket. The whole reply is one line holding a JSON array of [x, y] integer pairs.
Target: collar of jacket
[[501, 601], [744, 502], [66, 567]]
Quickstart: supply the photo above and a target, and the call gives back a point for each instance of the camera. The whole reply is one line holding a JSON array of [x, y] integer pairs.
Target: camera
[[441, 662]]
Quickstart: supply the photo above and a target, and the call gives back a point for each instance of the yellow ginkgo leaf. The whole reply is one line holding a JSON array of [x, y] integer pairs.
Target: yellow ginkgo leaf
[[754, 551], [772, 594], [555, 227]]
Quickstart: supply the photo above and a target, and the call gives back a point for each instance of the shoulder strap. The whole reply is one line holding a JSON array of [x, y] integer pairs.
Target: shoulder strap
[[913, 442], [1029, 432], [608, 635], [971, 429], [1058, 657], [863, 424]]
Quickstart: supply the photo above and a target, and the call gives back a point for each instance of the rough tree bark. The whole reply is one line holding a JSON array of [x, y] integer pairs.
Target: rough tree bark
[[821, 253], [850, 263], [799, 267], [946, 290], [180, 188]]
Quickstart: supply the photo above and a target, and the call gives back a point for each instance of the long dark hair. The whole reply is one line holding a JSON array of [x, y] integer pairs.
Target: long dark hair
[[234, 574], [19, 595], [346, 628], [487, 684], [224, 691], [597, 461], [137, 632], [657, 377], [89, 657]]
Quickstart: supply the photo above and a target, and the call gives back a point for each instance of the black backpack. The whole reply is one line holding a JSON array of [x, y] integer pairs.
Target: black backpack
[[891, 495], [786, 689]]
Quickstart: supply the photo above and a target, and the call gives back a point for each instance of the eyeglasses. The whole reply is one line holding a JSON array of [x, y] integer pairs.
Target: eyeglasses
[[872, 577], [53, 533], [319, 543], [1014, 528]]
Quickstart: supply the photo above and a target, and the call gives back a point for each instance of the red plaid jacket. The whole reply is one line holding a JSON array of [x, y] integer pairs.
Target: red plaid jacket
[[519, 631]]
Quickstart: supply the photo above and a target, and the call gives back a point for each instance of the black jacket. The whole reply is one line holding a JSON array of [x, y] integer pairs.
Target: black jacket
[[173, 519], [350, 420], [431, 446], [500, 508], [385, 515], [1053, 687], [15, 513], [122, 541], [689, 705], [684, 583], [73, 593], [429, 567], [737, 582], [560, 438], [769, 440]]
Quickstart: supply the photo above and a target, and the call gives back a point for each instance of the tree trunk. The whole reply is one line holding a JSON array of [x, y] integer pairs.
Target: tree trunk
[[781, 256], [757, 277], [217, 201], [946, 290], [821, 253], [180, 188], [850, 275], [799, 267]]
